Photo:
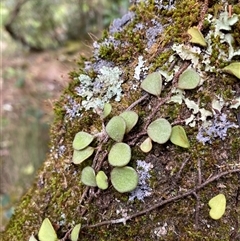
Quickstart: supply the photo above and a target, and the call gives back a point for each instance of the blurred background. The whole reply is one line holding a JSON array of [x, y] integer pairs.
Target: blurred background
[[40, 43]]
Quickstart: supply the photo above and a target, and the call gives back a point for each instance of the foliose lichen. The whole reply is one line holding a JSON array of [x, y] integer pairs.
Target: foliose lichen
[[97, 92]]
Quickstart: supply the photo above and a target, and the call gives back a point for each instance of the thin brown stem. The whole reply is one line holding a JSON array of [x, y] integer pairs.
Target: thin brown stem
[[203, 13], [199, 179], [197, 210], [137, 102], [164, 202], [181, 168]]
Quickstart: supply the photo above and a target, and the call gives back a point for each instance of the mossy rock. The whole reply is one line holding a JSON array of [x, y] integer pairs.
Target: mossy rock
[[151, 37]]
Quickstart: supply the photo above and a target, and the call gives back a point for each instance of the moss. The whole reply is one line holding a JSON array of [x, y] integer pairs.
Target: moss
[[108, 52]]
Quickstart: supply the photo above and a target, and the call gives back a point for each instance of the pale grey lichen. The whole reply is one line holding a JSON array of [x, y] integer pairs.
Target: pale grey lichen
[[152, 32], [222, 25], [58, 151], [186, 52], [138, 27], [61, 150], [143, 189], [72, 109], [217, 128], [201, 61], [221, 29], [99, 64], [140, 68], [96, 92], [118, 24]]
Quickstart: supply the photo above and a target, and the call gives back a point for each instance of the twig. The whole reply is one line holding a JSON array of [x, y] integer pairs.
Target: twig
[[162, 203], [66, 235], [196, 209], [181, 168], [104, 136], [199, 179], [100, 161], [161, 102], [199, 182], [238, 192], [133, 139], [137, 102], [203, 12], [83, 195]]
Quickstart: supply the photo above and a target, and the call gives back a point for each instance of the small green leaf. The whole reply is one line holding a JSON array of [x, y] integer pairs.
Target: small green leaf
[[153, 84], [197, 37], [107, 109], [146, 146], [47, 232], [130, 118], [75, 232], [218, 206], [116, 128], [102, 180], [233, 68], [81, 140], [124, 179], [88, 176], [188, 80], [159, 130], [119, 155], [179, 137], [82, 155]]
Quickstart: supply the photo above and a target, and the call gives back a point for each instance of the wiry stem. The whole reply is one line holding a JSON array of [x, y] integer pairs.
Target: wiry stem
[[203, 13], [164, 202]]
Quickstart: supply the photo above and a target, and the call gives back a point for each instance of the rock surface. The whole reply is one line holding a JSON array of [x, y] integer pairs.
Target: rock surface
[[175, 183]]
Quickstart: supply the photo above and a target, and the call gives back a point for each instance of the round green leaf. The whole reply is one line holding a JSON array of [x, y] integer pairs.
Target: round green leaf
[[153, 84], [159, 130], [81, 140], [88, 176], [47, 232], [179, 137], [102, 180], [116, 128], [119, 155], [124, 179], [218, 206], [82, 155], [233, 68], [75, 232], [107, 109], [146, 146], [196, 36], [189, 79], [130, 118]]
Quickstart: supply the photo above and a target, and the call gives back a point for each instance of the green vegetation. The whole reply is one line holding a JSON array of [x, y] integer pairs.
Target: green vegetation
[[218, 206]]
